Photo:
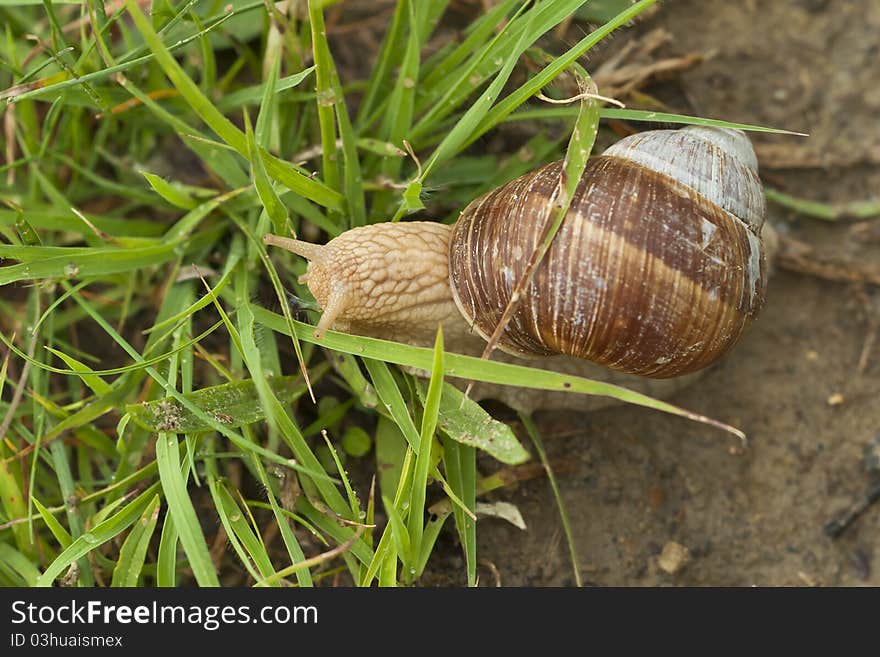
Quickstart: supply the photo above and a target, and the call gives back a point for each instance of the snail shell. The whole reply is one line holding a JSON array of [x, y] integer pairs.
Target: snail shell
[[657, 269]]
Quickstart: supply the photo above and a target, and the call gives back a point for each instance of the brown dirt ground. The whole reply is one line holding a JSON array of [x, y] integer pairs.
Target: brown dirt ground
[[633, 480]]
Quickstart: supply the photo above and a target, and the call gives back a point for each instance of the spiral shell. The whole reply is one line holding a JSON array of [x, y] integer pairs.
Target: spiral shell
[[657, 269]]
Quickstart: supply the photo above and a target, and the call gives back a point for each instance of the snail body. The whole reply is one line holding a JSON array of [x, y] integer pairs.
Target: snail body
[[656, 270]]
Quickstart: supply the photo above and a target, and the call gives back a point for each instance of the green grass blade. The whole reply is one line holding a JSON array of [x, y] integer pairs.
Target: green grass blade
[[464, 80], [99, 263], [387, 61], [49, 219], [331, 527], [683, 119], [429, 539], [325, 94], [95, 383], [400, 537], [479, 33], [235, 404], [166, 561], [476, 369], [257, 93], [465, 421], [460, 465], [14, 506], [400, 109], [423, 459], [247, 543], [20, 564], [353, 502], [116, 370], [272, 204], [134, 550], [524, 29], [225, 129], [388, 568], [294, 550], [174, 194], [236, 438], [563, 514], [390, 453], [352, 177], [390, 396], [548, 113], [559, 64], [180, 506], [825, 211], [278, 415], [61, 535], [75, 512], [104, 531], [55, 84], [464, 127]]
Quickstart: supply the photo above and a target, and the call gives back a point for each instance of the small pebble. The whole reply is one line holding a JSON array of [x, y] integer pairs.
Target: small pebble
[[835, 400], [673, 558]]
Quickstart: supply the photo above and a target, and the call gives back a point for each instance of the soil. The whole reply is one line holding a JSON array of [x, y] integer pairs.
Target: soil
[[802, 384]]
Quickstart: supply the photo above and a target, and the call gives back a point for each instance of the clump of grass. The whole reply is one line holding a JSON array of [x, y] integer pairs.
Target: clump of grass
[[153, 364]]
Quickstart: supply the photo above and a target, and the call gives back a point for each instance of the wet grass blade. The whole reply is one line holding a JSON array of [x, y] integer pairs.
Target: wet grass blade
[[470, 368], [386, 62], [175, 195], [460, 465], [391, 397], [353, 502], [464, 128], [247, 544], [563, 514], [181, 509], [134, 550], [519, 96], [325, 94], [235, 404], [429, 540], [271, 203], [19, 564], [225, 129], [166, 560], [14, 506], [465, 421], [294, 550], [61, 535], [104, 531], [64, 263], [424, 463]]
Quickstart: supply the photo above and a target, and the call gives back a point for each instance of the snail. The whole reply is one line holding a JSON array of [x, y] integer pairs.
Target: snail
[[658, 268]]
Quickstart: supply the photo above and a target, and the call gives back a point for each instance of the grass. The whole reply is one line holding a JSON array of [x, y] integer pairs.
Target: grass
[[155, 379]]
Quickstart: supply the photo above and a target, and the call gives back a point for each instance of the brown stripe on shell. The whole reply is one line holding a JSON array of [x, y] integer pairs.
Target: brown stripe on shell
[[718, 163], [646, 275]]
